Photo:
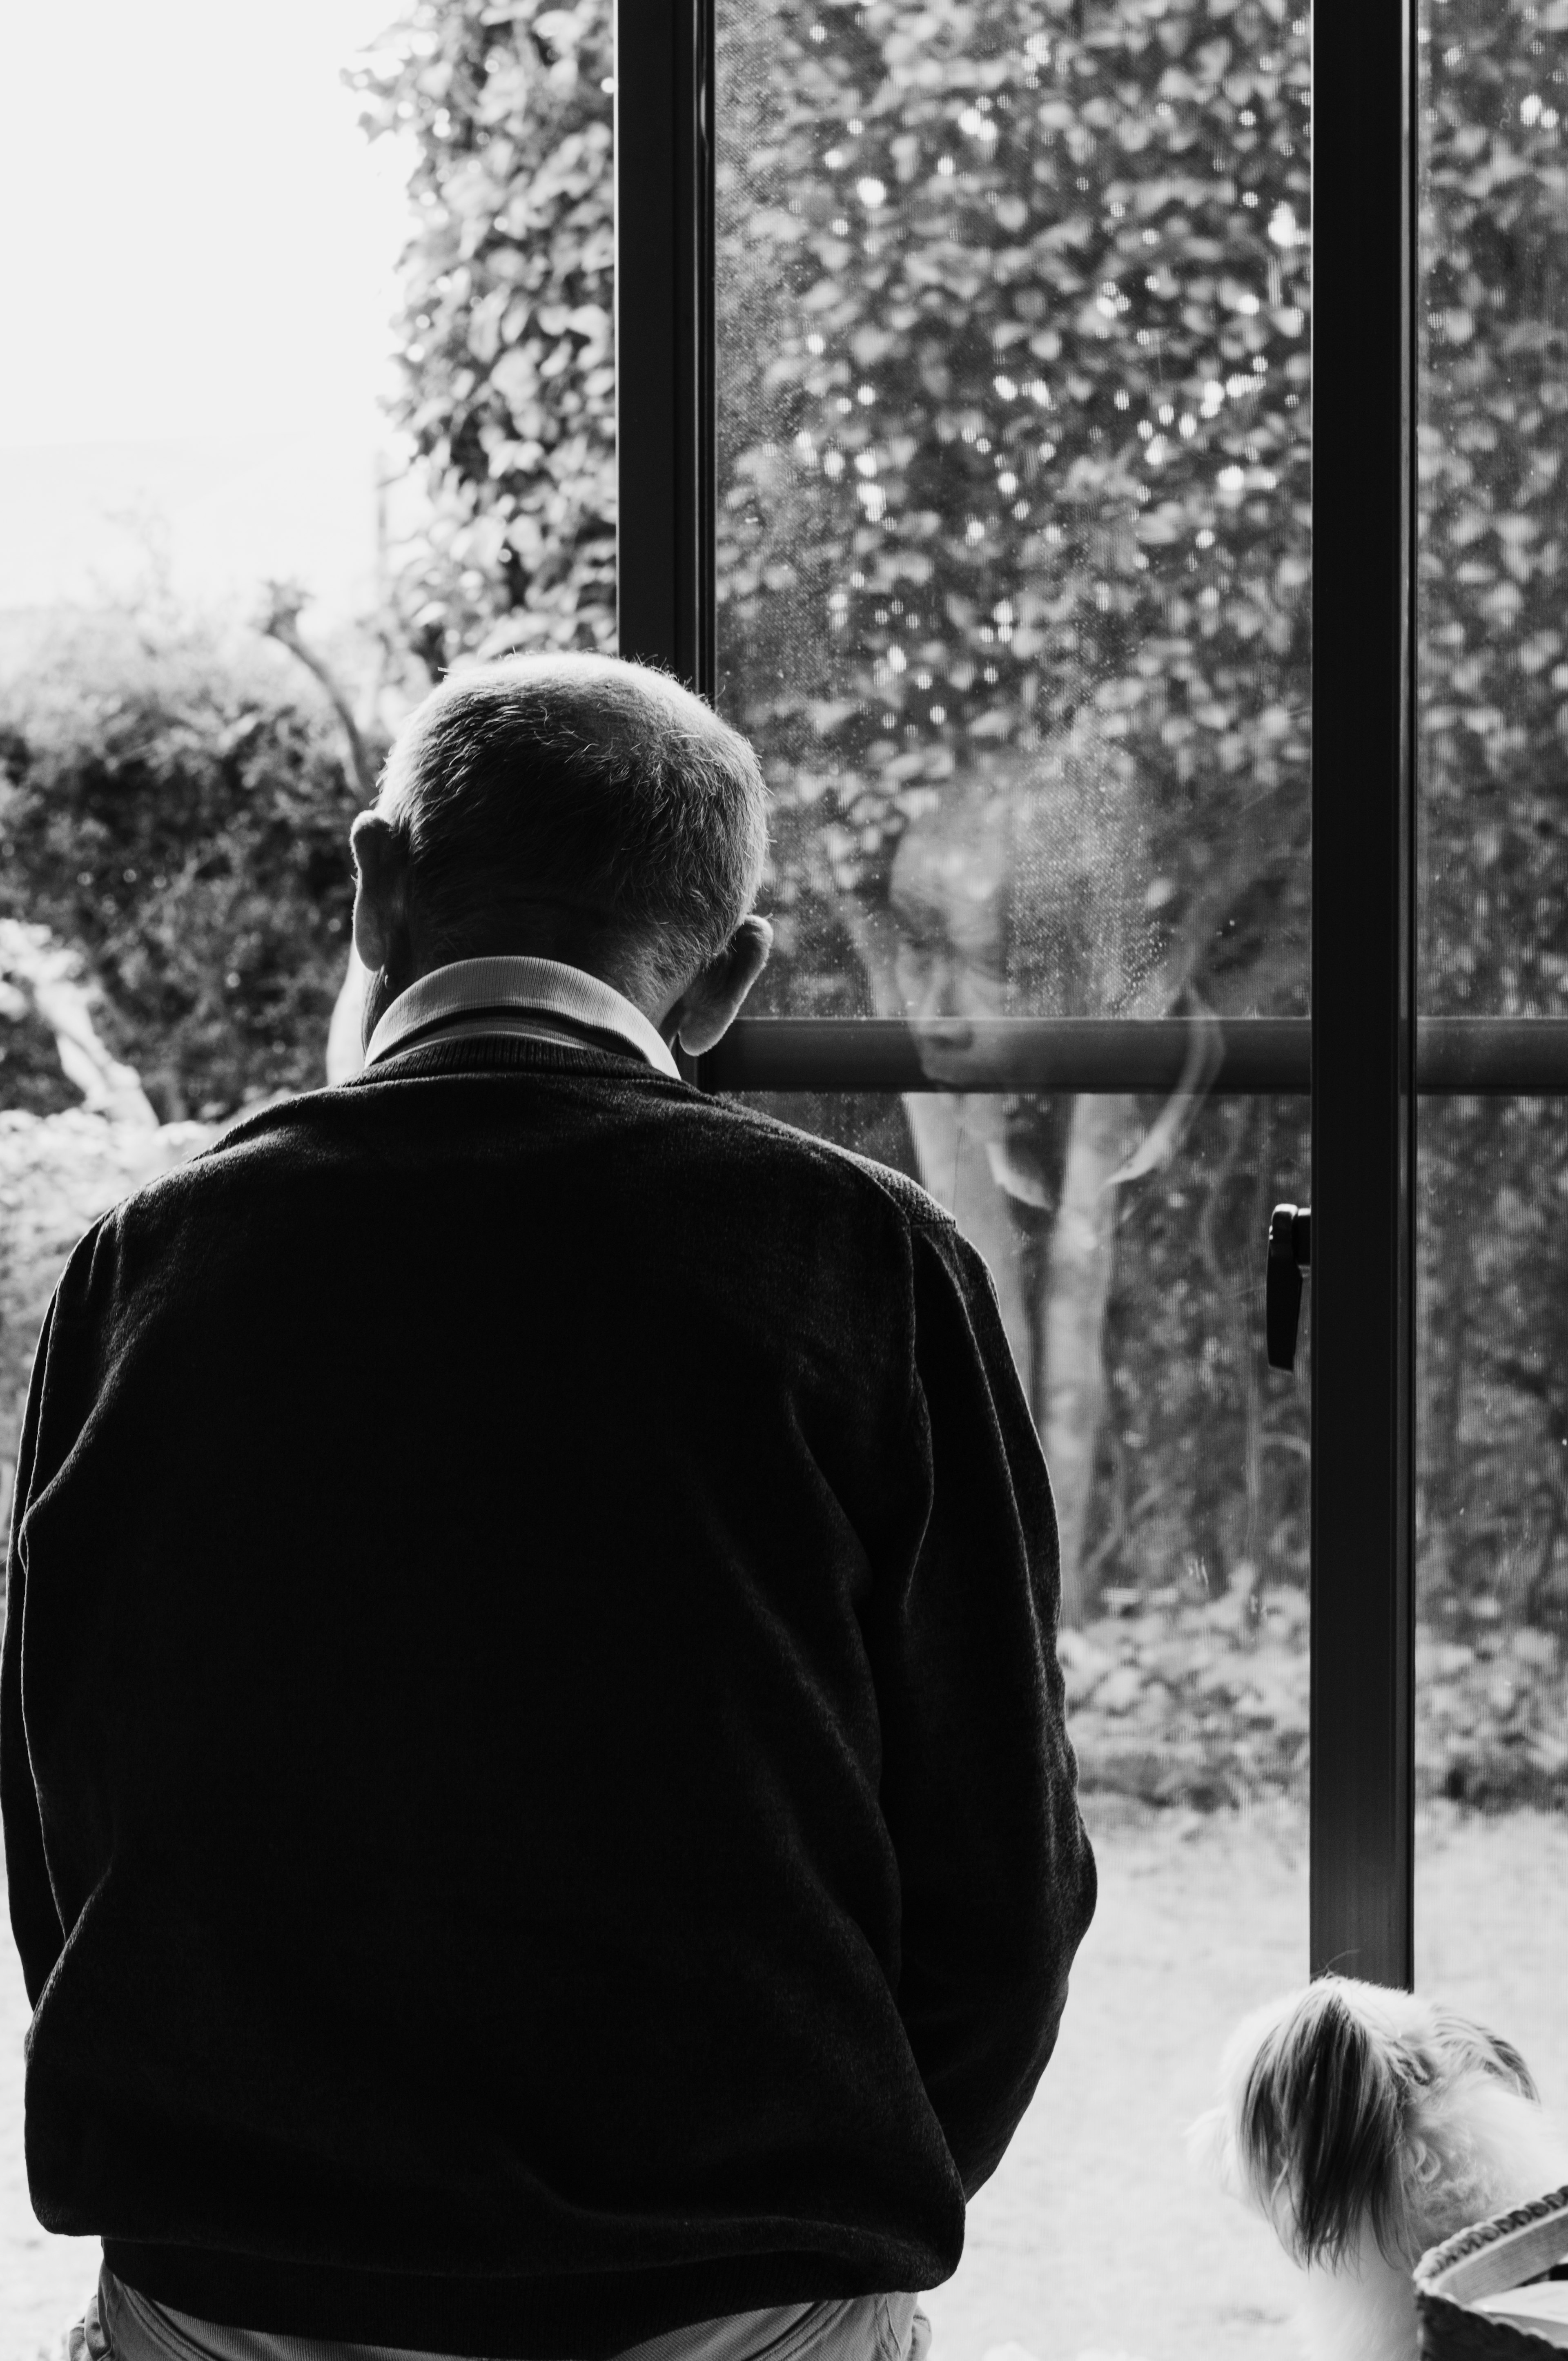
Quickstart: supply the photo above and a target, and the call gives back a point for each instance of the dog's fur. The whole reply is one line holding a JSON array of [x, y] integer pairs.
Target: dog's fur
[[1367, 2125]]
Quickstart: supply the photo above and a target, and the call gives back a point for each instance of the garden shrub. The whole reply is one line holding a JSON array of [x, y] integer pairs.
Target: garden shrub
[[178, 811], [508, 379], [1173, 1698]]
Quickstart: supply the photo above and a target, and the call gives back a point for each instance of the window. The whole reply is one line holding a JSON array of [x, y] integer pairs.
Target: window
[[1013, 592], [999, 547], [1111, 458], [1491, 1599]]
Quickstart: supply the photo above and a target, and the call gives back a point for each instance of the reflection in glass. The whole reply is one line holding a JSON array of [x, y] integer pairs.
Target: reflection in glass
[[1011, 572], [1187, 1666], [1013, 361], [1492, 1437], [1011, 368]]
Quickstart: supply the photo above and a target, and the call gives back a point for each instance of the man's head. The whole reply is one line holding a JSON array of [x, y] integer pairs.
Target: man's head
[[570, 808]]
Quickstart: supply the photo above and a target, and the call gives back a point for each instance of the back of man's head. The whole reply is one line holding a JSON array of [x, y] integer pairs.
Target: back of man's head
[[576, 784]]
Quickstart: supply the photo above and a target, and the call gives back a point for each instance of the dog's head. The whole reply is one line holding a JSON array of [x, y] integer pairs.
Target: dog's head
[[1335, 2099]]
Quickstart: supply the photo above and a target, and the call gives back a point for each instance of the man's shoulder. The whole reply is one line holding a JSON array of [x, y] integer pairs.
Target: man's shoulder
[[256, 1166], [251, 1150], [721, 1130], [791, 1149]]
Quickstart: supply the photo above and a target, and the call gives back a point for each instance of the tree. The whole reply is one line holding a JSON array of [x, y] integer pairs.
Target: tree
[[509, 384], [1493, 814]]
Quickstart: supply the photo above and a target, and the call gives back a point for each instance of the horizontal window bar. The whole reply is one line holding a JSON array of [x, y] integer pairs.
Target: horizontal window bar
[[1511, 1056]]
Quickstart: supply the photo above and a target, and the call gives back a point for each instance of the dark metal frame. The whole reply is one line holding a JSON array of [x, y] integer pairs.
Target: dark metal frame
[[663, 334], [1479, 1057], [1363, 990], [1362, 1075]]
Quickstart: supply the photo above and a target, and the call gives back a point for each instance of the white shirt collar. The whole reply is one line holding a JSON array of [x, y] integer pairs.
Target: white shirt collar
[[502, 995]]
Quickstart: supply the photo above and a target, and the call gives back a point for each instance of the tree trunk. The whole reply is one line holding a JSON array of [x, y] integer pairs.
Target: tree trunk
[[1078, 1265], [954, 1136], [951, 1137], [1052, 1292]]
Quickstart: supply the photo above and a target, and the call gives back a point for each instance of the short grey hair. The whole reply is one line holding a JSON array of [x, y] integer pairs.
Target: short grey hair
[[583, 781]]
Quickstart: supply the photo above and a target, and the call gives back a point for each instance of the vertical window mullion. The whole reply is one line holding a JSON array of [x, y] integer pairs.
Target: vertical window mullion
[[663, 334], [1363, 885], [1363, 1122]]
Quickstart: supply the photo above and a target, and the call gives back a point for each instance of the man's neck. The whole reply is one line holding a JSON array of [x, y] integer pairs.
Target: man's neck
[[548, 931]]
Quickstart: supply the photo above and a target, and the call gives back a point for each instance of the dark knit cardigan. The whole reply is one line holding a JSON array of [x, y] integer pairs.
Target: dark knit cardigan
[[535, 1794]]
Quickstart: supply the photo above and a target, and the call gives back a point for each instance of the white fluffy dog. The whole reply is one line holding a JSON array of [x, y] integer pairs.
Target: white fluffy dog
[[1367, 2125]]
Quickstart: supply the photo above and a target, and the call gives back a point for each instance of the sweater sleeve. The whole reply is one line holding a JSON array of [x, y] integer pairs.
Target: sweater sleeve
[[34, 1918], [979, 1780]]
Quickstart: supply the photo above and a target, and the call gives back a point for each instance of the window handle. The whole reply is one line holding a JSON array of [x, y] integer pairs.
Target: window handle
[[1289, 1254]]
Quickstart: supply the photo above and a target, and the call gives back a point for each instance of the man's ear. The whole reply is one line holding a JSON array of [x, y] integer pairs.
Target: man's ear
[[712, 1001], [380, 893]]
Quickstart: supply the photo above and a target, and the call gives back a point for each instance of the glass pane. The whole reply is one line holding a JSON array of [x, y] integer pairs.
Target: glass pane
[[1187, 1676], [1012, 571], [1013, 497], [1492, 1595]]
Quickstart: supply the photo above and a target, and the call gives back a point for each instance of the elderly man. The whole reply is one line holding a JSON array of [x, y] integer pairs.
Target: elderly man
[[535, 1795]]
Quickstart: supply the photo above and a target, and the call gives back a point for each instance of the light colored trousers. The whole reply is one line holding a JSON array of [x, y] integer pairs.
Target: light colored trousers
[[121, 2324]]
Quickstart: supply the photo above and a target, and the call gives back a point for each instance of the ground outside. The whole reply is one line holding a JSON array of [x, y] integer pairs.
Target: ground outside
[[1094, 2241]]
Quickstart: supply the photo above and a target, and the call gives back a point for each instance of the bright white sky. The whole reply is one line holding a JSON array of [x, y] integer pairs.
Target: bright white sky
[[199, 239]]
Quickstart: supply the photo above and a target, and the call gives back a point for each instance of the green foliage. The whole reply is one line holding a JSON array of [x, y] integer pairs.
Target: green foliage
[[1013, 374], [1492, 1715], [509, 381], [1178, 1698], [1493, 755], [182, 819], [1493, 1430], [1175, 1699], [1013, 450], [1023, 444], [1204, 1451], [1493, 567], [31, 1077], [1025, 436]]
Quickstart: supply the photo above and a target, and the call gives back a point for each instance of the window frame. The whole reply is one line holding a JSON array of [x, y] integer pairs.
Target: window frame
[[1357, 1051]]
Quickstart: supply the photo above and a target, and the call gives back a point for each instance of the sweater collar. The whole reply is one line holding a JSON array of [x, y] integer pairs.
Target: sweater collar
[[541, 999]]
